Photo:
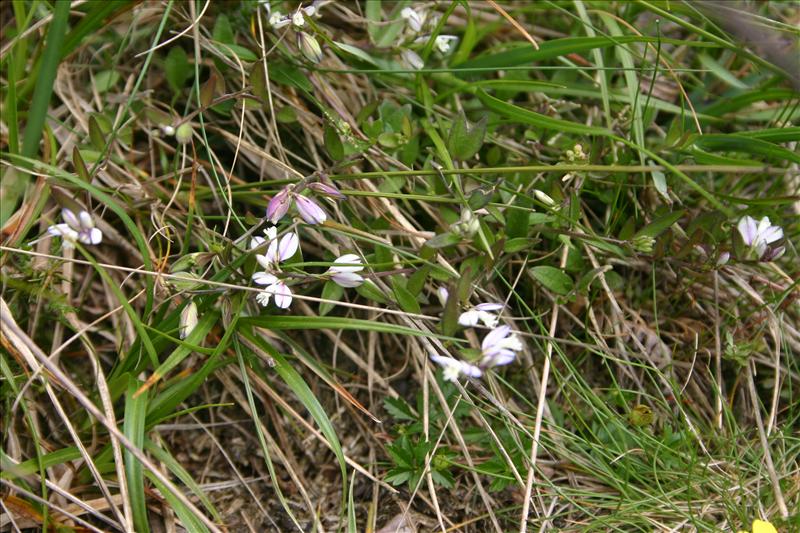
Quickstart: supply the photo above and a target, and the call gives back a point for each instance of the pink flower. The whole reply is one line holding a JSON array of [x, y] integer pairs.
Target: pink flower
[[327, 189], [278, 250], [760, 236]]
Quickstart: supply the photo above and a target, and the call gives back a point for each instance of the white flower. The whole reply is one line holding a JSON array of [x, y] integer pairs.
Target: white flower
[[274, 287], [544, 198], [298, 20], [480, 313], [499, 347], [444, 43], [76, 229], [413, 18], [188, 320], [759, 236], [412, 59], [453, 368], [279, 250], [345, 275]]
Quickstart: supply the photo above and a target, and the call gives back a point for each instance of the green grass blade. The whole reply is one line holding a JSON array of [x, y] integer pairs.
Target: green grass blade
[[133, 427]]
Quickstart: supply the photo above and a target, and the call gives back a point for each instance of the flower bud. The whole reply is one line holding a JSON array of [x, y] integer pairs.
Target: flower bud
[[544, 198], [643, 244], [184, 133], [327, 189], [309, 46], [309, 210], [188, 320], [412, 59], [278, 206]]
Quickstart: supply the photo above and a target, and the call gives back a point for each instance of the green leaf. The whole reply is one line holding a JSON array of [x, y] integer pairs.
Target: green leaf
[[330, 291], [96, 134], [177, 68], [369, 290], [465, 139], [660, 225], [524, 116], [133, 427], [553, 278], [333, 144], [398, 409], [223, 32], [105, 80], [405, 299], [748, 145], [443, 240], [278, 322]]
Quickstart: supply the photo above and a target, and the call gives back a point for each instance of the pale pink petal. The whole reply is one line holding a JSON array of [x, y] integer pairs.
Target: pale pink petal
[[347, 263], [489, 307], [347, 279], [70, 218], [279, 205], [494, 337], [747, 229], [95, 236], [86, 221], [288, 246], [468, 319], [263, 260], [282, 294], [309, 210]]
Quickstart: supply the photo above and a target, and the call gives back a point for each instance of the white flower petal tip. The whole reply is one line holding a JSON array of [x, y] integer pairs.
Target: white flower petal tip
[[480, 313], [264, 278], [452, 368], [348, 280]]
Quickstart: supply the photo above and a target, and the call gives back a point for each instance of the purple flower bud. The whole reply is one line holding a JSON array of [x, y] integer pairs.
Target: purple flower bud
[[327, 189], [309, 210], [278, 206]]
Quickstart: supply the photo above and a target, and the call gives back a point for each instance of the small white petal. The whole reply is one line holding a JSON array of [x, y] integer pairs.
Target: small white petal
[[347, 263], [412, 59], [264, 278], [271, 233], [489, 307], [264, 261], [298, 19], [95, 236], [489, 320], [442, 294], [469, 318], [256, 241], [85, 220]]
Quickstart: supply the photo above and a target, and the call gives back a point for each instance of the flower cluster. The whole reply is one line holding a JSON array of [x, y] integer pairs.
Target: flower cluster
[[308, 209], [759, 238], [306, 43], [416, 21], [498, 348], [76, 229], [278, 250]]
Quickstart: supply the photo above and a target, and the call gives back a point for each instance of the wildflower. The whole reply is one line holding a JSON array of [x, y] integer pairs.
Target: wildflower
[[274, 287], [309, 210], [453, 368], [279, 205], [76, 229], [188, 320], [761, 526], [723, 258], [413, 18], [760, 236], [344, 274], [444, 43], [412, 59], [480, 313], [499, 347], [309, 47], [279, 250]]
